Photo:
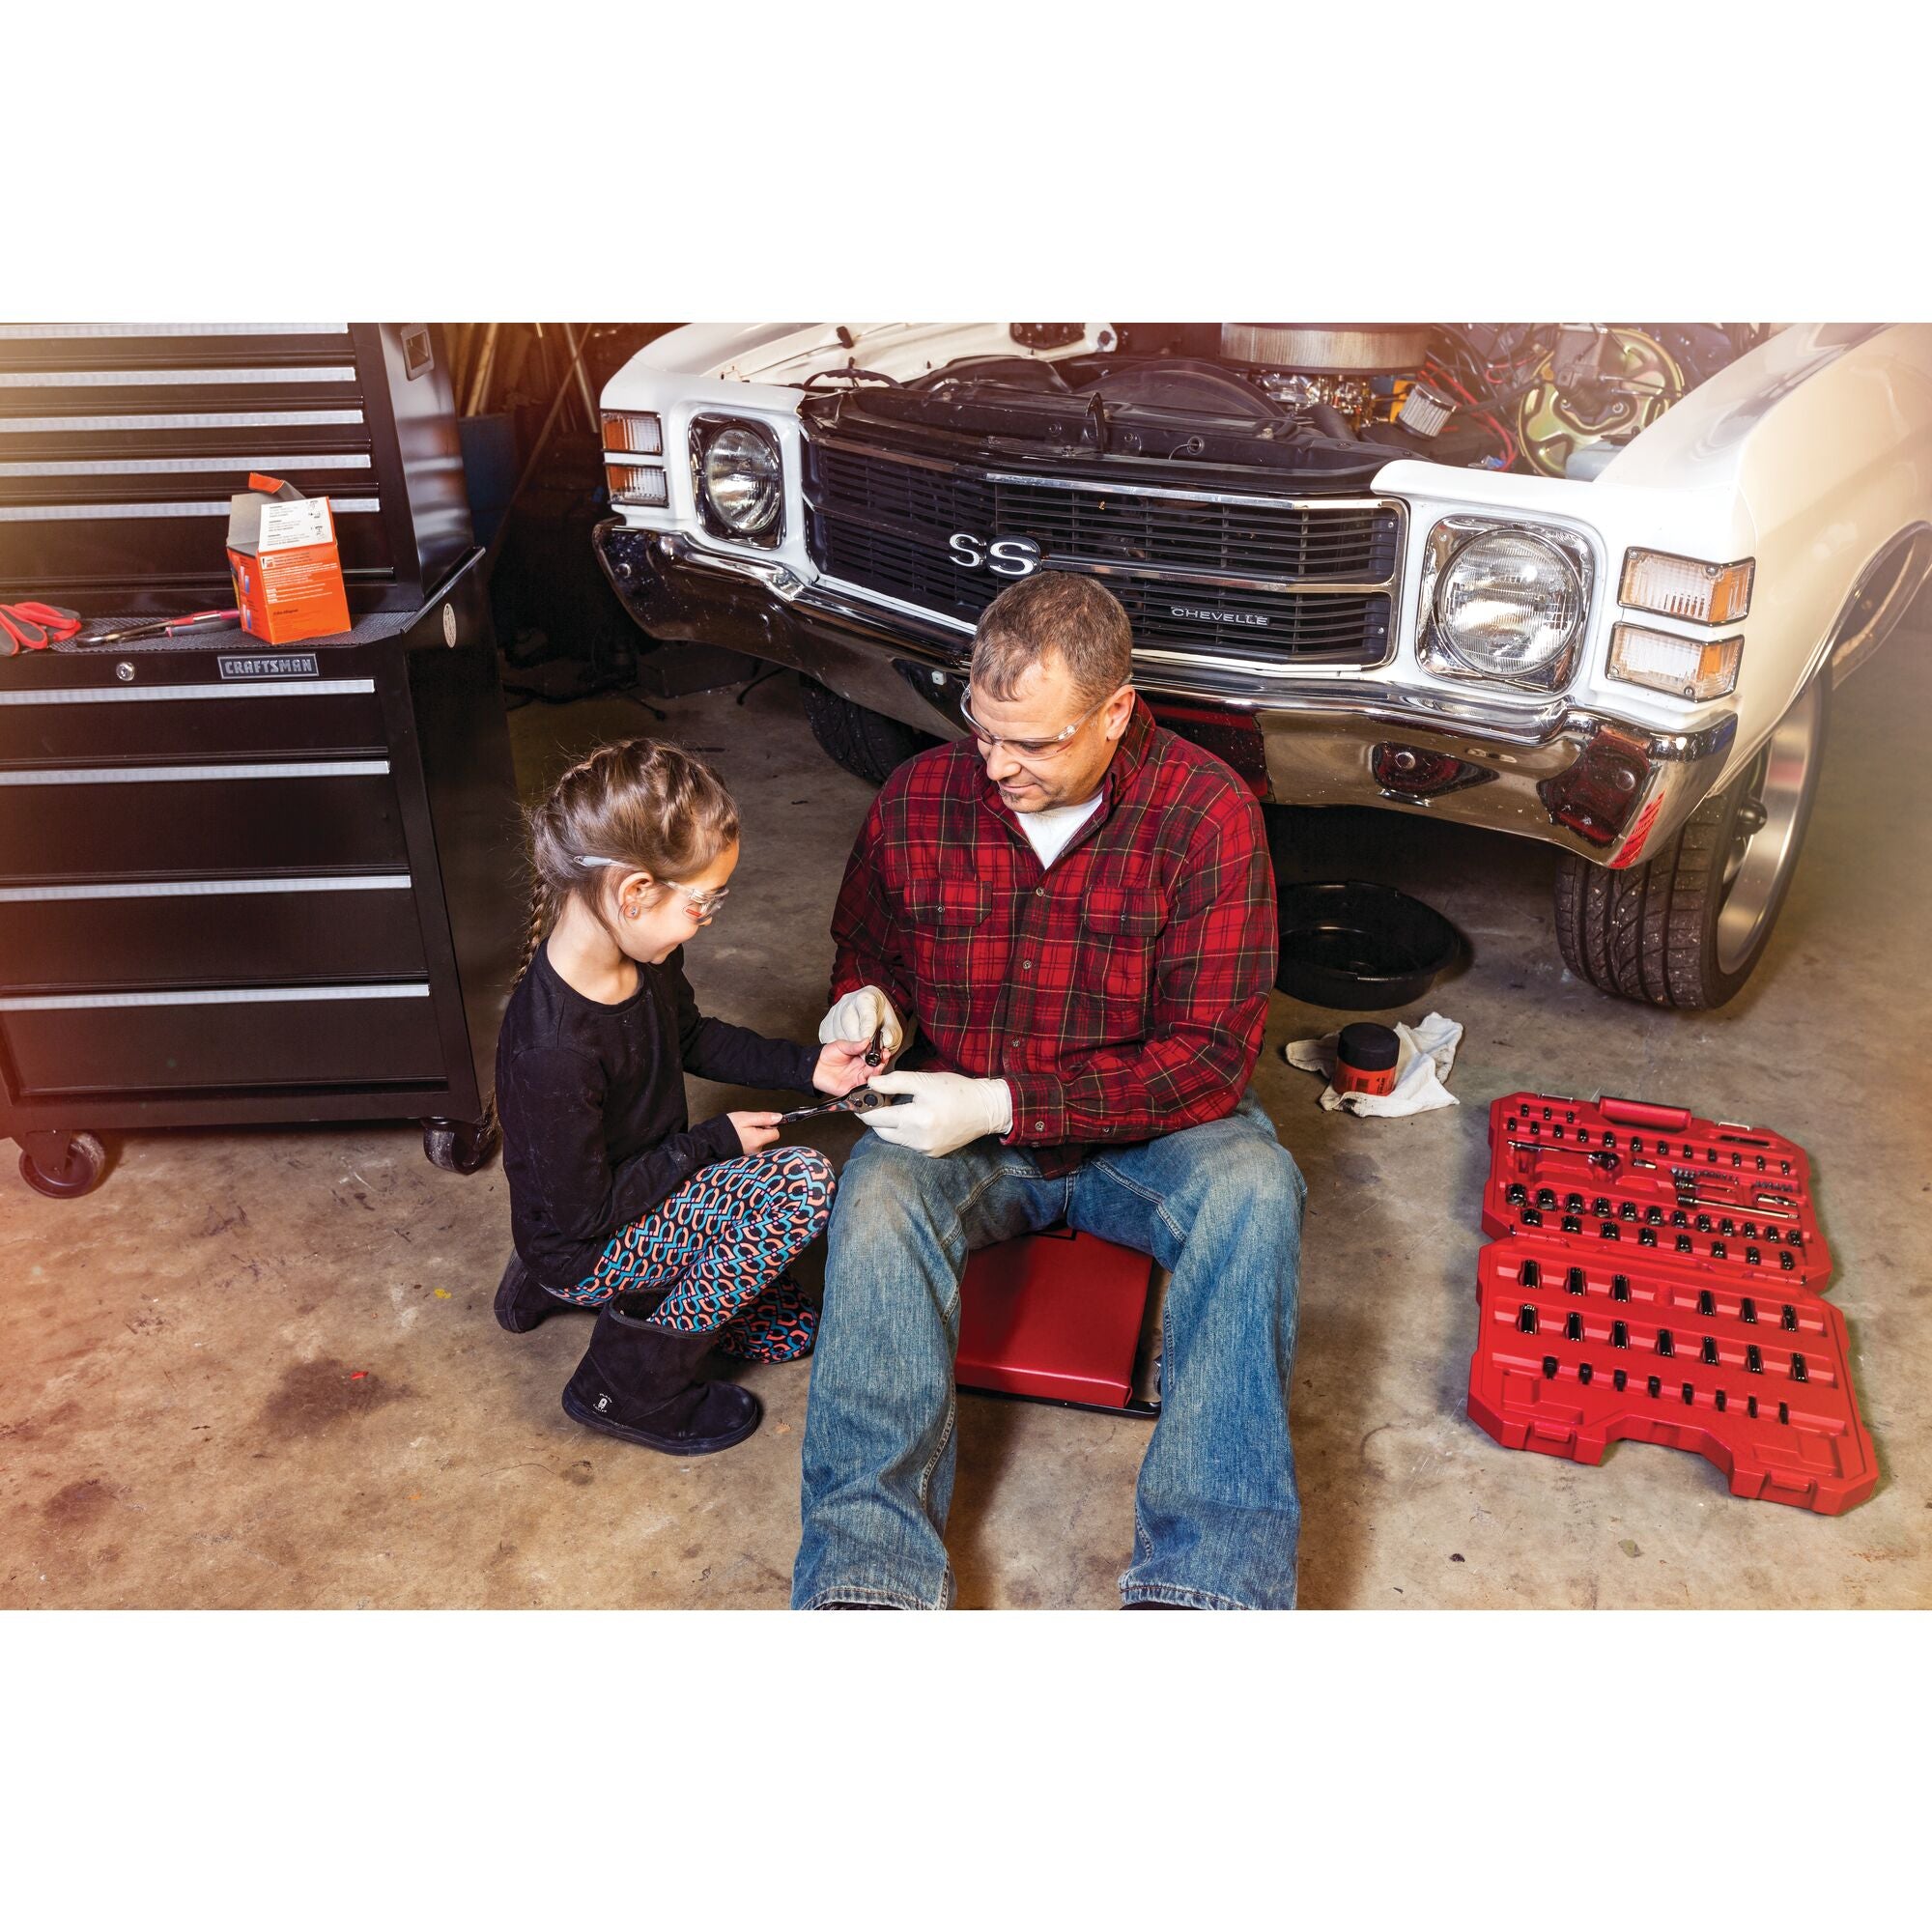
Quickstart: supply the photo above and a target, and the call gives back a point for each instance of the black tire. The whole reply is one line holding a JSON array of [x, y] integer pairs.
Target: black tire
[[1687, 927], [870, 745], [460, 1146], [68, 1168]]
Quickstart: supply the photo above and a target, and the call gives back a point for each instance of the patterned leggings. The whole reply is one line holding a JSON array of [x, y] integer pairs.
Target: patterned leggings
[[721, 1243]]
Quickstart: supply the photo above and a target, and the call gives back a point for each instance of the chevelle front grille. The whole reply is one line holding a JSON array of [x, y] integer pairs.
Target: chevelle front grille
[[1293, 581]]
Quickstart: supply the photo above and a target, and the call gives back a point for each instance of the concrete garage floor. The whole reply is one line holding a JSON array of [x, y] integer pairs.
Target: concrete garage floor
[[259, 1370]]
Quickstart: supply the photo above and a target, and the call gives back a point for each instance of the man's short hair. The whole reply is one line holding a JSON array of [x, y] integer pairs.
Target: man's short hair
[[1054, 613]]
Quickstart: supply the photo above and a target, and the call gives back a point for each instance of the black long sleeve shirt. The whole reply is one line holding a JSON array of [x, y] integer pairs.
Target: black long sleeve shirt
[[591, 1098]]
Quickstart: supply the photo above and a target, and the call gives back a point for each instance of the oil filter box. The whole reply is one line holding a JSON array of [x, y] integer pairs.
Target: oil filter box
[[282, 555]]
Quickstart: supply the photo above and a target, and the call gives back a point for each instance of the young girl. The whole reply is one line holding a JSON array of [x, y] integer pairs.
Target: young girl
[[678, 1235]]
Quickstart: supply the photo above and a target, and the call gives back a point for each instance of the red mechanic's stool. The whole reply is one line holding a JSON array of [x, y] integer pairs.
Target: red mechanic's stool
[[1062, 1317]]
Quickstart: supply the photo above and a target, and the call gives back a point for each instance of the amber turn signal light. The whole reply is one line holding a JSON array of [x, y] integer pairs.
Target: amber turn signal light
[[1681, 587]]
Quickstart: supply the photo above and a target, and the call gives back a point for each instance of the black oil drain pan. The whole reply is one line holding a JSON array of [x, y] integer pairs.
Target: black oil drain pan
[[1360, 947]]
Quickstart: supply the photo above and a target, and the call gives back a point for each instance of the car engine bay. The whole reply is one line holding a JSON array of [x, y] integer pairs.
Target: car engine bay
[[1330, 402]]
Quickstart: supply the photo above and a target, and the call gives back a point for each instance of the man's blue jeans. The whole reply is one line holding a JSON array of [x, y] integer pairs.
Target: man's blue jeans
[[1215, 1510]]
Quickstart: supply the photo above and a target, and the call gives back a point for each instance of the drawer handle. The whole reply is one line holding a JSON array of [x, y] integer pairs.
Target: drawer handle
[[165, 694], [327, 768], [197, 889], [79, 513], [220, 996]]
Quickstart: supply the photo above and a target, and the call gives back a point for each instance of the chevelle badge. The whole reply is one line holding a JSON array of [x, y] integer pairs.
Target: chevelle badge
[[1255, 617]]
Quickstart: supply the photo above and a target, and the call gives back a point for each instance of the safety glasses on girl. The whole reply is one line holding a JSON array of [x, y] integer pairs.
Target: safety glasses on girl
[[703, 904]]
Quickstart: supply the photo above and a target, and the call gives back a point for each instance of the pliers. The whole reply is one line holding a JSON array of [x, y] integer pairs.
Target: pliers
[[862, 1101], [33, 627]]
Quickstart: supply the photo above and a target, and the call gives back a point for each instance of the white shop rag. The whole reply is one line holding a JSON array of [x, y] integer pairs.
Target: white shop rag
[[1424, 1055]]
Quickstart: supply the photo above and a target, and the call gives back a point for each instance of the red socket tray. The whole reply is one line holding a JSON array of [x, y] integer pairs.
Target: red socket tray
[[1659, 1277]]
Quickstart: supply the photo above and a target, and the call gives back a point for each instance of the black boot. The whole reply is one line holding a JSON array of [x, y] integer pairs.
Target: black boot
[[640, 1384], [522, 1301]]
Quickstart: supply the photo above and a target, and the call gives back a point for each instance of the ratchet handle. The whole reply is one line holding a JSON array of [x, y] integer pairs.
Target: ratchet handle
[[1643, 1114]]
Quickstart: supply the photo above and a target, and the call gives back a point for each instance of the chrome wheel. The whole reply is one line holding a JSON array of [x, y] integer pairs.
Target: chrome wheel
[[1767, 828]]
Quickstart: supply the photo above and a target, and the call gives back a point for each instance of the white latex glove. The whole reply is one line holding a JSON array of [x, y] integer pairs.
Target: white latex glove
[[943, 1112], [859, 1016]]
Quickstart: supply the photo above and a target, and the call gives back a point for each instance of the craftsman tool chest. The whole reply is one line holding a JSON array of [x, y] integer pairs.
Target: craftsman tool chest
[[241, 883]]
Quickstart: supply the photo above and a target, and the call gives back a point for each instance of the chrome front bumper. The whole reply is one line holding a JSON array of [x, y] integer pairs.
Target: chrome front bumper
[[1606, 788]]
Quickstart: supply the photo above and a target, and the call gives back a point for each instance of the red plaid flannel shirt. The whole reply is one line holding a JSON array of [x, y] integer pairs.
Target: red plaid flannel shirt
[[1121, 994]]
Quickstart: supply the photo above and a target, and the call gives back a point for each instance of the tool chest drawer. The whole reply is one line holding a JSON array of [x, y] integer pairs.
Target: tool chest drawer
[[208, 932], [180, 820], [89, 725], [122, 443], [227, 1037]]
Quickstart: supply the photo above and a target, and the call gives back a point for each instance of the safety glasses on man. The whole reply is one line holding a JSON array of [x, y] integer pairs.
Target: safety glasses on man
[[1032, 748]]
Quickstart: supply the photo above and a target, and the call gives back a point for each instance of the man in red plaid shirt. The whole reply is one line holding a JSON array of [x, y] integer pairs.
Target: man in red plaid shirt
[[1074, 910]]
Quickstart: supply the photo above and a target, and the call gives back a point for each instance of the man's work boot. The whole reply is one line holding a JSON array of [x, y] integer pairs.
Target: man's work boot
[[640, 1384], [523, 1300]]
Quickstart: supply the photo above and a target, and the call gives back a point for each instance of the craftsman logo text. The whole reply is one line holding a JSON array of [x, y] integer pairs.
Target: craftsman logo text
[[297, 663]]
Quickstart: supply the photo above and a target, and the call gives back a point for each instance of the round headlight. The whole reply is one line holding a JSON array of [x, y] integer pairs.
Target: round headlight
[[1509, 604], [742, 479]]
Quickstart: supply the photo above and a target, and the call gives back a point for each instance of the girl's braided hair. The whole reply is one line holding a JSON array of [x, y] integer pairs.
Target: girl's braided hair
[[650, 806]]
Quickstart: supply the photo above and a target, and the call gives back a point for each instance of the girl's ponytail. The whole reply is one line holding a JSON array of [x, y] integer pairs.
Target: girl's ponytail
[[542, 915]]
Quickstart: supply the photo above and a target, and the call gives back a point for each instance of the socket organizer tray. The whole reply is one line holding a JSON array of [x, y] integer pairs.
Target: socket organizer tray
[[1659, 1277]]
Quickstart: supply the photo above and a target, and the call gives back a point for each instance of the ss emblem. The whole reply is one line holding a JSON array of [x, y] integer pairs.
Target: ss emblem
[[1004, 556]]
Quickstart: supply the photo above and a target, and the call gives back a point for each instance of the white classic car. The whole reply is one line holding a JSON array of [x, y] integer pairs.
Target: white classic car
[[1588, 583]]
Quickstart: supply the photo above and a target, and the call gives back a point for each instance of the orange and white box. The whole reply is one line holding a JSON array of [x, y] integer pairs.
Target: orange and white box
[[283, 559]]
